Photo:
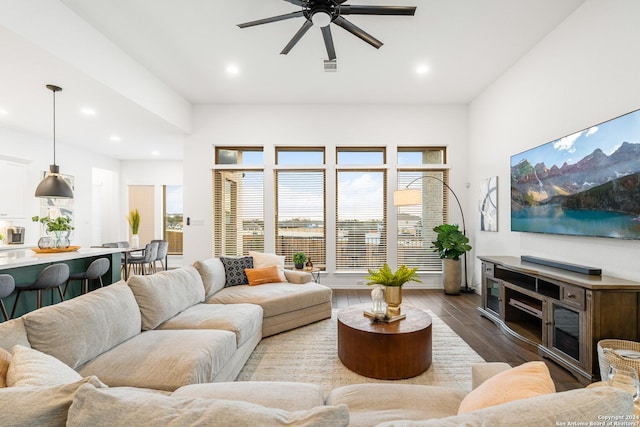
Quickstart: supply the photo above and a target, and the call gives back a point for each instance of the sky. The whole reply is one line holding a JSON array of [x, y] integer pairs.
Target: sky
[[607, 136]]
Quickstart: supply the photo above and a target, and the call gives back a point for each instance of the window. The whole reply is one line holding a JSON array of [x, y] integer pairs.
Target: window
[[360, 209], [416, 223], [173, 224], [238, 198]]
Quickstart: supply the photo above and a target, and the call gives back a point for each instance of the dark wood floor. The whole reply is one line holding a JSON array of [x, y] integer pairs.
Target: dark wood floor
[[461, 314]]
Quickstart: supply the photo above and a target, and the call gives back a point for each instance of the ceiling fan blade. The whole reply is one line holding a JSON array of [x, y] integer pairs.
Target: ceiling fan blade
[[358, 32], [328, 42], [296, 38], [378, 10], [299, 2], [272, 19]]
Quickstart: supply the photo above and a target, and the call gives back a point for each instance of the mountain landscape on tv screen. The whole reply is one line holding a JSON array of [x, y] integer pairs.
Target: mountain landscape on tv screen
[[597, 181]]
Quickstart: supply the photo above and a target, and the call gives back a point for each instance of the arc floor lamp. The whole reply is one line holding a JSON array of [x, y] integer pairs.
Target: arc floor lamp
[[54, 186], [410, 196]]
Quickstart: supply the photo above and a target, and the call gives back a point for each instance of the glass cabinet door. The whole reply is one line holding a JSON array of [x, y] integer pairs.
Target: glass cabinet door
[[565, 331], [494, 296]]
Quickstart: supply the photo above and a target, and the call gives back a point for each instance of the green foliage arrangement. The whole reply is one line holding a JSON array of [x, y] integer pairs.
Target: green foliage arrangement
[[451, 243], [299, 258], [385, 277], [134, 221], [61, 223]]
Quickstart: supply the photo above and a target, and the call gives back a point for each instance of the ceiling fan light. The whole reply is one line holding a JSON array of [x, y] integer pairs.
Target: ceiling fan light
[[321, 19]]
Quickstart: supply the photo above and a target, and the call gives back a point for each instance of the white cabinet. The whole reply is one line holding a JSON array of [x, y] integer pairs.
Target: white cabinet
[[12, 189]]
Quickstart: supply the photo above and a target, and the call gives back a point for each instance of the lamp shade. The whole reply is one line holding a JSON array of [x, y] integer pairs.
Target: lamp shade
[[407, 197], [54, 186]]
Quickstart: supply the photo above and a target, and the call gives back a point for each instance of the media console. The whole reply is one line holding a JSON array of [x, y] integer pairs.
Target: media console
[[561, 314]]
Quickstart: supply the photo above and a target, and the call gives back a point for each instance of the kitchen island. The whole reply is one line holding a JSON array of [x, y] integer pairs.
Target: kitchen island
[[25, 265]]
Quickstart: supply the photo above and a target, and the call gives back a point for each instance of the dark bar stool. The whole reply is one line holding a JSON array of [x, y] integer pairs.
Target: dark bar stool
[[95, 272], [7, 285], [51, 277]]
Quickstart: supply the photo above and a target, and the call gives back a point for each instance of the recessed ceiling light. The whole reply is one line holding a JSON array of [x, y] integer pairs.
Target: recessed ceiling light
[[233, 70], [155, 153], [422, 69], [115, 138], [88, 112]]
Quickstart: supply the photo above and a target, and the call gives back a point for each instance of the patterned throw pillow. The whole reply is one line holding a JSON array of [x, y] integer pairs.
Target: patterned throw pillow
[[234, 270]]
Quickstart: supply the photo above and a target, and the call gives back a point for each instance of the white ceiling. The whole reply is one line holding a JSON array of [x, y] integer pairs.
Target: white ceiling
[[142, 64]]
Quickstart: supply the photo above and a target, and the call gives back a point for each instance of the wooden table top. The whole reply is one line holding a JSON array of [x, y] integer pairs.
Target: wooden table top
[[354, 318]]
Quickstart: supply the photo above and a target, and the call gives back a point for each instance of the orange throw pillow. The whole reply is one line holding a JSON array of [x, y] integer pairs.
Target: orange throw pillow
[[527, 380], [260, 276]]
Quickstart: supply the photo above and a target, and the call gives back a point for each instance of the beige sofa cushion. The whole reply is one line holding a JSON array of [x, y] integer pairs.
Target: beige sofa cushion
[[92, 406], [30, 367], [77, 330], [244, 320], [5, 360], [162, 295], [272, 394], [212, 273], [164, 360], [370, 404], [39, 406], [595, 406], [274, 298], [12, 332]]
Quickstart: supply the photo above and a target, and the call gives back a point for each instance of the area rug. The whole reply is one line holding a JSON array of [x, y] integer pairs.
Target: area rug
[[310, 354]]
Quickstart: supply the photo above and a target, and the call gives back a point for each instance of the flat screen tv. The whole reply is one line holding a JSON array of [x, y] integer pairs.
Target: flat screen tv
[[584, 184]]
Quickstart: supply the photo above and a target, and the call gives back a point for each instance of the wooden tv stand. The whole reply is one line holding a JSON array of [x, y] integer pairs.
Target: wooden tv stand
[[559, 313]]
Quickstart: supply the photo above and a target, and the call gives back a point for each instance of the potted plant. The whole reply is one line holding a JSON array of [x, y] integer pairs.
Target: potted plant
[[134, 223], [450, 244], [392, 282], [299, 259], [58, 228]]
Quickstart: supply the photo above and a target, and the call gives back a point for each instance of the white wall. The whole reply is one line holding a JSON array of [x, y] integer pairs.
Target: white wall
[[328, 125], [72, 161], [583, 73]]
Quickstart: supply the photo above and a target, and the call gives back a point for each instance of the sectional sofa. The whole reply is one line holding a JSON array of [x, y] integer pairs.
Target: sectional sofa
[[168, 347]]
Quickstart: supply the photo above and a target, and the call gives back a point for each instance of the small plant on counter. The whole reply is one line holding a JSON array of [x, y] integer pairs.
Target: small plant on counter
[[61, 223]]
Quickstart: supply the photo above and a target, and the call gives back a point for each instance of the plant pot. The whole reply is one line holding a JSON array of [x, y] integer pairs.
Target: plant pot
[[299, 266], [451, 276], [135, 241], [393, 298]]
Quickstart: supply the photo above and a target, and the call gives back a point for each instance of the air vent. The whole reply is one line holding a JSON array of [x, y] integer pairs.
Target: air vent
[[331, 65]]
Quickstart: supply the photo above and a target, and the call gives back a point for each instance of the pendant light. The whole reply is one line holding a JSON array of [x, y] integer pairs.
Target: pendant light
[[54, 186]]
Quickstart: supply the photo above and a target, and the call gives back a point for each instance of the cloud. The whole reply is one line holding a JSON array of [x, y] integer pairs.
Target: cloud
[[567, 142], [591, 131]]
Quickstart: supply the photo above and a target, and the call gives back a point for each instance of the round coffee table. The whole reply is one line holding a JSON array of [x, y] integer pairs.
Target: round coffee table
[[390, 351]]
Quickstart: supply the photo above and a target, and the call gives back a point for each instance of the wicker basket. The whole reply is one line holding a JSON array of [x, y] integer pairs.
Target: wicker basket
[[607, 355]]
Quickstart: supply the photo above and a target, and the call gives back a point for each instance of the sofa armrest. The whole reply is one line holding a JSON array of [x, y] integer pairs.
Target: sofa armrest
[[298, 277], [480, 372]]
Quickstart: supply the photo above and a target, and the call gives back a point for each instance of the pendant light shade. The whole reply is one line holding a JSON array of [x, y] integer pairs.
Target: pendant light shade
[[54, 186]]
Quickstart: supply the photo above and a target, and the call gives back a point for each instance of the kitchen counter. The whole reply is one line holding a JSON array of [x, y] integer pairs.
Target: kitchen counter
[[5, 247], [27, 257]]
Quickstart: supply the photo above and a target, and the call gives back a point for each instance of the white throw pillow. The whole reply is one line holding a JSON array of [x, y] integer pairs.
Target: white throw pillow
[[30, 367], [267, 260]]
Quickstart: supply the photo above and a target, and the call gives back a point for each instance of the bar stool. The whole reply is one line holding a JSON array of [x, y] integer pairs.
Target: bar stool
[[95, 271], [163, 248], [51, 277], [7, 285]]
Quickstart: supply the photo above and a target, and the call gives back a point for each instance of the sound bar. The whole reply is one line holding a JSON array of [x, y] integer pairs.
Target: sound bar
[[583, 269]]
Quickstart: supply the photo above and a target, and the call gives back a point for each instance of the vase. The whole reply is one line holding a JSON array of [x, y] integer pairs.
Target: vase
[[46, 242], [60, 240], [451, 276], [393, 298], [135, 241]]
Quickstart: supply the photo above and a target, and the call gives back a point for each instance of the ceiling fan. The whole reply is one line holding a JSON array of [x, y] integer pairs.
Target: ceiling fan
[[322, 13]]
